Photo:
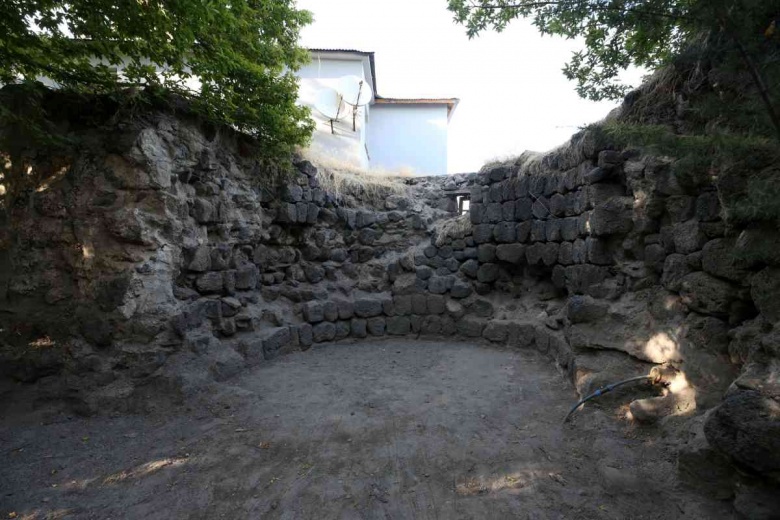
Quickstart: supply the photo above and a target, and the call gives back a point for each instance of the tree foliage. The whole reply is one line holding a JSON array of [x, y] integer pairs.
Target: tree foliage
[[620, 33], [710, 104], [233, 59]]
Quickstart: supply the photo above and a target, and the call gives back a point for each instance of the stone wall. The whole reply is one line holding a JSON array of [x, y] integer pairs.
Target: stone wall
[[166, 256]]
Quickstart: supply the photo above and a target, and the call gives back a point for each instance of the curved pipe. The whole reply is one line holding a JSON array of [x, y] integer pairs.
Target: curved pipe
[[605, 389]]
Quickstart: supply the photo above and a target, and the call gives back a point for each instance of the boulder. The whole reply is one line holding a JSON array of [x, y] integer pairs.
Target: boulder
[[455, 309], [470, 268], [313, 312], [613, 217], [597, 175], [376, 326], [398, 325], [680, 207], [533, 253], [504, 232], [477, 212], [523, 209], [402, 305], [488, 273], [365, 218], [276, 340], [482, 233], [558, 205], [655, 256], [552, 230], [538, 231], [481, 308], [486, 253], [305, 335], [706, 294], [470, 327], [550, 253], [688, 237], [497, 331], [676, 267], [597, 251], [292, 193], [461, 289], [246, 277], [342, 329], [705, 334], [325, 331], [424, 272], [209, 283], [584, 309], [565, 255], [569, 230], [431, 325], [435, 304], [511, 253], [359, 328], [765, 291], [523, 231], [440, 284], [580, 277], [330, 311], [746, 426], [367, 308], [345, 308], [201, 259], [419, 304], [708, 207], [493, 213]]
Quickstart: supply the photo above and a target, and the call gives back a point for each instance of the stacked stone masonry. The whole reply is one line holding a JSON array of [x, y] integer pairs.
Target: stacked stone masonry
[[170, 253]]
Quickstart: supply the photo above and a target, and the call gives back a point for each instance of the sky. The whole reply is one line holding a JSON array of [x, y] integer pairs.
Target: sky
[[513, 95]]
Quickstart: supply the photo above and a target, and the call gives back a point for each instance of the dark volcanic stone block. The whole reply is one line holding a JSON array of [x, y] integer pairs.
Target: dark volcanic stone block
[[376, 326], [482, 233], [398, 325], [523, 231], [486, 253], [325, 331], [523, 209], [488, 273], [367, 308], [511, 253], [504, 232], [359, 328]]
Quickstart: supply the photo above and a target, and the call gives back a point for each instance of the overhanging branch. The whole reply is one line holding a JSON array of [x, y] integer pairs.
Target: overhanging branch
[[550, 3]]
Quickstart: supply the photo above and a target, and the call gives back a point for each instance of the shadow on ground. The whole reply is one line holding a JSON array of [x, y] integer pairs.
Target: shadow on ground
[[397, 429]]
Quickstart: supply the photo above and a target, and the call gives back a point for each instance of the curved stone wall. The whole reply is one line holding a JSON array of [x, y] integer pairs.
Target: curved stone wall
[[166, 254]]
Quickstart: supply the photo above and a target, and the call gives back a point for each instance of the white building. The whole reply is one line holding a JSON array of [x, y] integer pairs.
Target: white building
[[390, 133]]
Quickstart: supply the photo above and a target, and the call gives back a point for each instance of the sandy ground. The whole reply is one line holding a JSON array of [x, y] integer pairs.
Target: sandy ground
[[397, 429]]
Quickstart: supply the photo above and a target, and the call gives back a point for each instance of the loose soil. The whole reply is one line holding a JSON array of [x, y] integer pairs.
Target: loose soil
[[397, 429]]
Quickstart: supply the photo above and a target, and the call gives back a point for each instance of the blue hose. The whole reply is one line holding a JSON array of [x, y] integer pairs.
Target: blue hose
[[606, 389]]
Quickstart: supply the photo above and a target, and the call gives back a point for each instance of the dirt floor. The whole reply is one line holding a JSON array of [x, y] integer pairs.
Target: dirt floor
[[397, 429]]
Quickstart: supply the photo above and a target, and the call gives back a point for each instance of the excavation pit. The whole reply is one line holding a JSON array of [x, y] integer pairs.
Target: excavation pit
[[392, 429]]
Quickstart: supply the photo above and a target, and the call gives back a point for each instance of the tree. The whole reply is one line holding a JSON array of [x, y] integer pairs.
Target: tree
[[233, 59], [646, 33]]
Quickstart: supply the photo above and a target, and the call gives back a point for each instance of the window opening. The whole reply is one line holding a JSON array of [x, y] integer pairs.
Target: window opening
[[464, 203]]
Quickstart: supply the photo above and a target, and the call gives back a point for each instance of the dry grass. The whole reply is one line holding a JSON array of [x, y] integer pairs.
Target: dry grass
[[526, 162], [453, 228], [353, 185], [500, 160]]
